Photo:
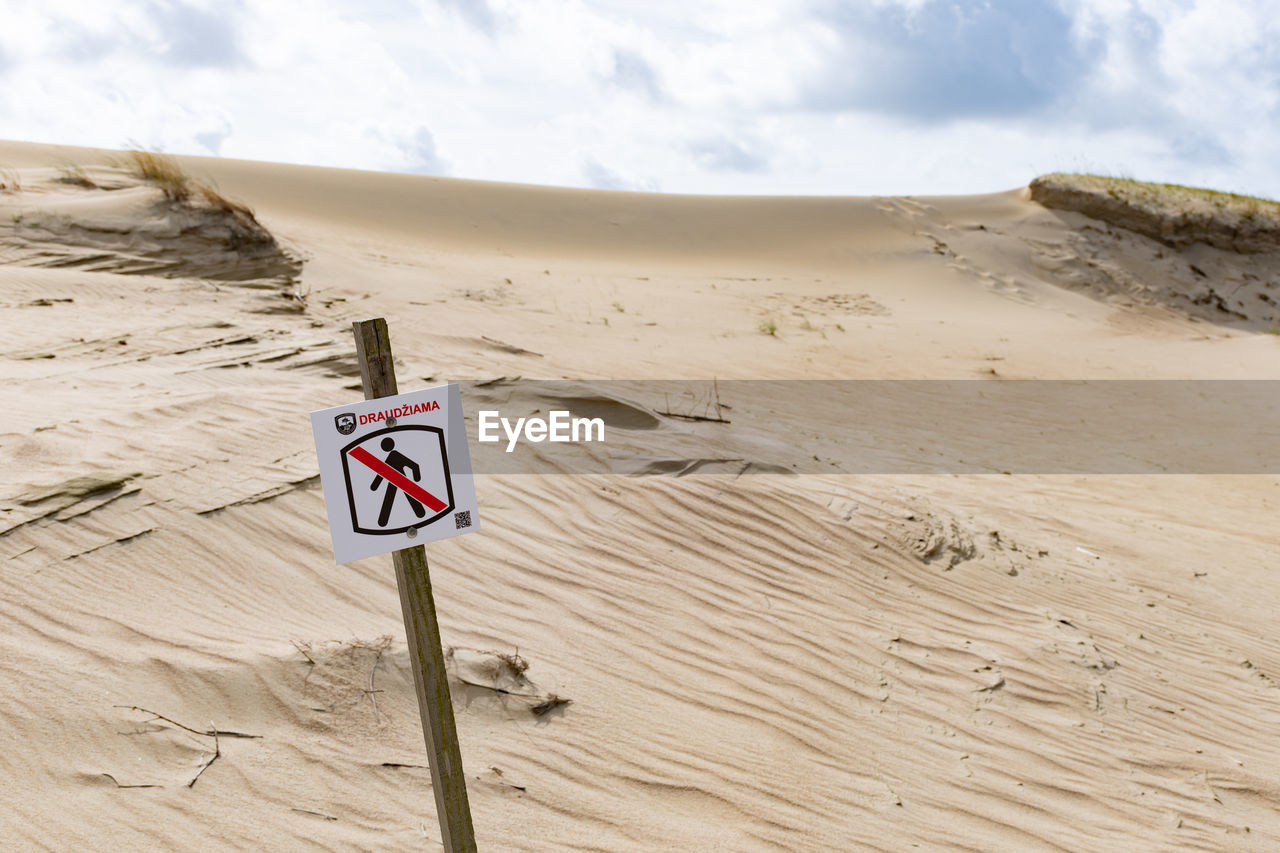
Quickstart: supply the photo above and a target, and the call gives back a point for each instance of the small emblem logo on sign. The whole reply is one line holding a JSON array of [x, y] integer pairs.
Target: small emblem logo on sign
[[345, 422]]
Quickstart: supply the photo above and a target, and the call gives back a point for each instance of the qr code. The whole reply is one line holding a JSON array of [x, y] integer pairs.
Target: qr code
[[462, 519]]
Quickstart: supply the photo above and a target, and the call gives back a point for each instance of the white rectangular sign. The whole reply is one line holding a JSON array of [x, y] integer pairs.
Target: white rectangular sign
[[396, 472]]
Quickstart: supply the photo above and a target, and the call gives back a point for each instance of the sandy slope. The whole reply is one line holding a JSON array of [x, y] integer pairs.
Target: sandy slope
[[796, 663]]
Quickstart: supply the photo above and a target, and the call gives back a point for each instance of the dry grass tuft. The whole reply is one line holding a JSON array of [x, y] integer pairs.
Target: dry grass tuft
[[9, 181], [74, 175], [515, 664], [163, 171], [210, 195]]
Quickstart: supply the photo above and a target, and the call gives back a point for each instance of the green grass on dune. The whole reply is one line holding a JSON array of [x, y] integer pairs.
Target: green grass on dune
[[1172, 195], [1172, 213]]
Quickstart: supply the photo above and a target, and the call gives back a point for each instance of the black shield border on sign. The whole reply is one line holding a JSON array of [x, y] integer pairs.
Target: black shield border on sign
[[351, 498]]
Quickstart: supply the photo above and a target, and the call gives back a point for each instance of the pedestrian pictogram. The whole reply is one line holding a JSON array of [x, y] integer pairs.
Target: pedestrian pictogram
[[395, 471], [387, 490], [396, 462]]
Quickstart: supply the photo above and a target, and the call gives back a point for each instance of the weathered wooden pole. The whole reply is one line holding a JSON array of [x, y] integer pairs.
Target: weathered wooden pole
[[373, 350]]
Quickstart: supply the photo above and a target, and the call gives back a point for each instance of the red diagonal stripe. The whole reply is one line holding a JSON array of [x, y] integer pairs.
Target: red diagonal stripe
[[397, 479]]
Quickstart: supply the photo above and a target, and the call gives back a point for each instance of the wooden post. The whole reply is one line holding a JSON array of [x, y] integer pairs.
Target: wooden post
[[373, 351]]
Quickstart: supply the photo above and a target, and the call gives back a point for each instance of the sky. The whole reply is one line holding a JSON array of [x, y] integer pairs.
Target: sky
[[768, 97]]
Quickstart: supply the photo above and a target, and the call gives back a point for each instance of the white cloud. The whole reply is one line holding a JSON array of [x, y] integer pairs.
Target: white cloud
[[712, 96]]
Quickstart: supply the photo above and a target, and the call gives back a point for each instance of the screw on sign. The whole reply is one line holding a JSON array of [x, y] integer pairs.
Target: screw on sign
[[396, 470]]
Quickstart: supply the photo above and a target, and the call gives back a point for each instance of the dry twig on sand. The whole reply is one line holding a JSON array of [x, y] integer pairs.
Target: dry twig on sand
[[502, 691], [304, 649], [118, 785], [549, 704], [715, 420], [212, 732], [711, 403], [377, 718], [217, 753], [317, 814]]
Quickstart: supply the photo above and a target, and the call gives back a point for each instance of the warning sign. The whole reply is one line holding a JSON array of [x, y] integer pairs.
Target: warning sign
[[395, 471]]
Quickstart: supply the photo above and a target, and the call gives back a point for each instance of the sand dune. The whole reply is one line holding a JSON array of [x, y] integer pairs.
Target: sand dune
[[1029, 662]]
